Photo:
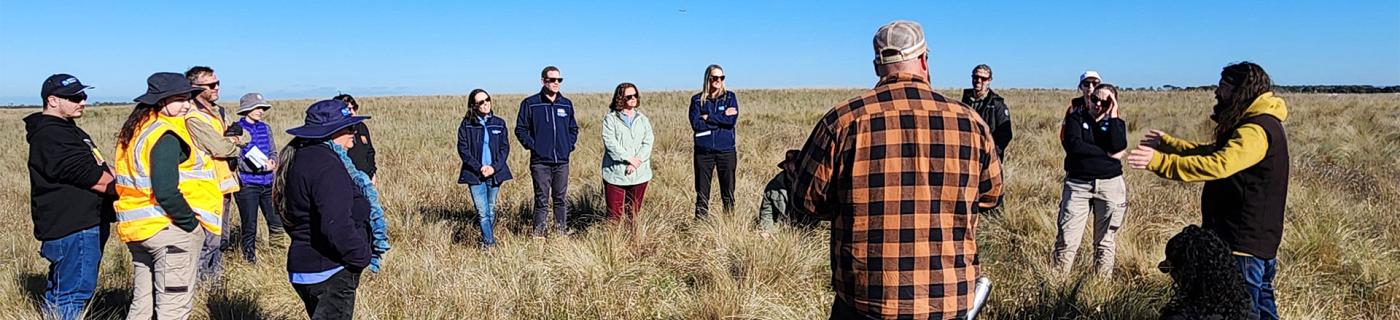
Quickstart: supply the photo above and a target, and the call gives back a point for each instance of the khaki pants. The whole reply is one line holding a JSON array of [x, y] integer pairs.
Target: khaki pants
[[1107, 199], [163, 268]]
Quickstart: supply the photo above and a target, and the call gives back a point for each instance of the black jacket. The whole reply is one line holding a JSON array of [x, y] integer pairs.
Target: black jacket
[[327, 216], [63, 167], [1089, 146], [362, 154], [995, 113]]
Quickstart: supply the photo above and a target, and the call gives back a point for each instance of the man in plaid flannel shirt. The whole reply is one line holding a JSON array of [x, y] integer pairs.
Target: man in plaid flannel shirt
[[902, 172]]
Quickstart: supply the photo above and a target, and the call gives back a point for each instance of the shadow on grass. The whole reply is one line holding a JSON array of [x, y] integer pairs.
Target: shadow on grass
[[1138, 302], [585, 210], [110, 303], [224, 305]]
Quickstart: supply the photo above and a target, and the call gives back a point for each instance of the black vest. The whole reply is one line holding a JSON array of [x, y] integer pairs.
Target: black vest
[[1246, 209]]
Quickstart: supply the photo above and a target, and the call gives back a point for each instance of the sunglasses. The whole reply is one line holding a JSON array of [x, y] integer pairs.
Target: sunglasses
[[78, 98], [210, 85], [981, 78], [630, 97], [554, 80], [488, 99], [1100, 102], [716, 78], [1088, 84]]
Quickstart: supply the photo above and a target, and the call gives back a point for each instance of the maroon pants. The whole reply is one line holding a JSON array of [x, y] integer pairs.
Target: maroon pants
[[623, 199]]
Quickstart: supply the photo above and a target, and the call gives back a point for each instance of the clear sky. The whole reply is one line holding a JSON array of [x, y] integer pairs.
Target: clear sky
[[297, 49]]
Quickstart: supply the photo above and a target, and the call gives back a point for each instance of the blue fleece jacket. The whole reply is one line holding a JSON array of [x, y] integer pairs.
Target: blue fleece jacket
[[547, 128], [713, 130]]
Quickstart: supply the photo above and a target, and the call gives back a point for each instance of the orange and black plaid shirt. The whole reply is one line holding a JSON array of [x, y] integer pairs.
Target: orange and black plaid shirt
[[902, 173]]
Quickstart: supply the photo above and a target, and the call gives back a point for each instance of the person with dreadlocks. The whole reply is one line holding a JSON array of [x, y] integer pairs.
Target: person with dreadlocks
[[1205, 281], [1245, 171]]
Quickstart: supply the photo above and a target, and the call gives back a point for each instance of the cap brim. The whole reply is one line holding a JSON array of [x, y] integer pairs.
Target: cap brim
[[325, 130], [71, 92]]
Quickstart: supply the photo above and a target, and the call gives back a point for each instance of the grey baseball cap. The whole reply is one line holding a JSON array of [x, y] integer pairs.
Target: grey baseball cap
[[898, 41], [250, 101]]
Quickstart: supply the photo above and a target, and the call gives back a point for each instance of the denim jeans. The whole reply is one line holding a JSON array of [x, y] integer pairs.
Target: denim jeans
[[1259, 281], [484, 196], [74, 261], [250, 199]]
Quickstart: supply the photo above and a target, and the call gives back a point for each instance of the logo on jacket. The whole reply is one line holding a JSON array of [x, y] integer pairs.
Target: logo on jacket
[[561, 113], [495, 131]]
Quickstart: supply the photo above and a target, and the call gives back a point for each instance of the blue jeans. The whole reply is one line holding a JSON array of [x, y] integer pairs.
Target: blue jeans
[[484, 195], [73, 264], [1259, 281]]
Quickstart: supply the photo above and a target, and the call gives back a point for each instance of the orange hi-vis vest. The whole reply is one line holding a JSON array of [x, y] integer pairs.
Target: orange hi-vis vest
[[228, 181], [138, 215]]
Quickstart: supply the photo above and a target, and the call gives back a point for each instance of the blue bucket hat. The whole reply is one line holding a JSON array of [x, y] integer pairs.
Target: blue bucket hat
[[324, 118]]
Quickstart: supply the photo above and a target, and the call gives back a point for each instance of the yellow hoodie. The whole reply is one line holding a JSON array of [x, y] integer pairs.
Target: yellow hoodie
[[1183, 160]]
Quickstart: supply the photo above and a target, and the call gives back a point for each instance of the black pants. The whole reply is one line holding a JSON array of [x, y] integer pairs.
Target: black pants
[[250, 199], [330, 299], [551, 183], [706, 164]]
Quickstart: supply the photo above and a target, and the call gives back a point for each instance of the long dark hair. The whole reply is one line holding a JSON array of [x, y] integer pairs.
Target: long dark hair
[[138, 116], [473, 106], [1205, 279], [349, 100], [279, 177], [1249, 81], [617, 100]]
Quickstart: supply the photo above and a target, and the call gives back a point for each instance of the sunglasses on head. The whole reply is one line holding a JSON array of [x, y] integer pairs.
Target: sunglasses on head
[[77, 98], [554, 80], [210, 85], [716, 78]]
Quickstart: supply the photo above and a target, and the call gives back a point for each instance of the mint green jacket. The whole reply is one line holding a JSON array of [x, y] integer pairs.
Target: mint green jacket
[[620, 143]]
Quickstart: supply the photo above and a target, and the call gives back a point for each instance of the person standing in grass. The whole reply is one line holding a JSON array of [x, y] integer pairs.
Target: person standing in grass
[[168, 198], [70, 193], [483, 143], [206, 124], [327, 206], [990, 106], [627, 143], [903, 232], [546, 126], [1245, 170], [256, 191], [363, 151], [714, 114], [1094, 185]]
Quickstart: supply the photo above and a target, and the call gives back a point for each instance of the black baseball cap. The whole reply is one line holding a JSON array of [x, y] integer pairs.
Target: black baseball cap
[[62, 85]]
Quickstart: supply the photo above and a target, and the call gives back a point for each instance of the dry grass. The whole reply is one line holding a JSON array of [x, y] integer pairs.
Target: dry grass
[[1338, 261]]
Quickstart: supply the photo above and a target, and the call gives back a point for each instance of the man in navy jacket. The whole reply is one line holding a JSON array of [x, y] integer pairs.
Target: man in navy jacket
[[546, 126]]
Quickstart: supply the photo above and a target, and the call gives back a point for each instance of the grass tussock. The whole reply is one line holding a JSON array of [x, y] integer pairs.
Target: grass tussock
[[1339, 257]]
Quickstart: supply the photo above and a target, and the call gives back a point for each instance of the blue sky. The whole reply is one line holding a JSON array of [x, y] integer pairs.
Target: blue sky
[[295, 49]]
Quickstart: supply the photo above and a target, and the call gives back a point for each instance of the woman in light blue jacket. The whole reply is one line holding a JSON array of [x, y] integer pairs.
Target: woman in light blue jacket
[[627, 142]]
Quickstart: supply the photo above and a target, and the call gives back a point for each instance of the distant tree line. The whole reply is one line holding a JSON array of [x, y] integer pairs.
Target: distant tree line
[[1293, 89]]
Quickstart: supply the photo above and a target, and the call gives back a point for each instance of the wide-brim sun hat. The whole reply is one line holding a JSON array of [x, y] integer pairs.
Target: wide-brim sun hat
[[324, 118], [163, 85]]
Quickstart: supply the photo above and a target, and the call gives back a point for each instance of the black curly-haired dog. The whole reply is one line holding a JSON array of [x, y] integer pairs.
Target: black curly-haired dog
[[1206, 283]]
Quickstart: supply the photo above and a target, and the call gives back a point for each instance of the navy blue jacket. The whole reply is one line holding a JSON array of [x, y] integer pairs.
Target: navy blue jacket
[[1089, 146], [469, 136], [327, 216], [716, 133], [547, 128]]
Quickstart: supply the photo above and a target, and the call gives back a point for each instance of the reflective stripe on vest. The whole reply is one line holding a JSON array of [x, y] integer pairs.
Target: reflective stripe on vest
[[228, 181], [139, 216]]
